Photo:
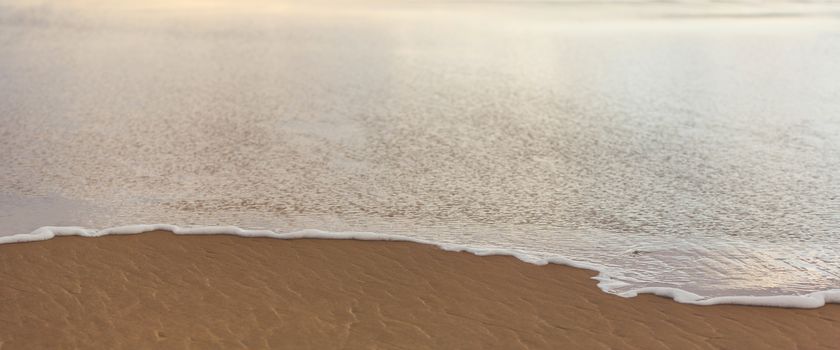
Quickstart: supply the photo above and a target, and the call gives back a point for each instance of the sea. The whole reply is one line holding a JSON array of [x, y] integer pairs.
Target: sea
[[689, 149]]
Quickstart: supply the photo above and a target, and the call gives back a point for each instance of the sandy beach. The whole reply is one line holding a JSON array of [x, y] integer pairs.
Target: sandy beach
[[682, 148], [159, 290]]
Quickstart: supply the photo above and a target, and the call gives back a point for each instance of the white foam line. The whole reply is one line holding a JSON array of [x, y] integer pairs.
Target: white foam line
[[606, 281]]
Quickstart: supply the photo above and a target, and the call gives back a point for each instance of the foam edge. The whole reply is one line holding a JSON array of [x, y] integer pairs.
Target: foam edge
[[606, 282]]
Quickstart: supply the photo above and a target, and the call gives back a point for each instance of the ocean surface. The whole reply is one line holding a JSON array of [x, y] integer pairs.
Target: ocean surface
[[692, 146]]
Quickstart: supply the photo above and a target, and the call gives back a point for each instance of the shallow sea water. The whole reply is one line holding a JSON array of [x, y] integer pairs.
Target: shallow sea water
[[694, 146]]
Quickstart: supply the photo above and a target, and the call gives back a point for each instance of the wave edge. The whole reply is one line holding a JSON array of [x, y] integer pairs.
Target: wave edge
[[606, 281]]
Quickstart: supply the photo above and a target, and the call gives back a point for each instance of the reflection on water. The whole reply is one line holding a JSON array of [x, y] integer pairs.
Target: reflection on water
[[684, 145]]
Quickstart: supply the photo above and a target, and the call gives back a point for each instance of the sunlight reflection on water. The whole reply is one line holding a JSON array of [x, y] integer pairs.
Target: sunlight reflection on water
[[686, 150]]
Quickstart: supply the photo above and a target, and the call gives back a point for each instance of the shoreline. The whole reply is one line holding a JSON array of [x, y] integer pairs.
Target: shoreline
[[222, 291], [605, 280]]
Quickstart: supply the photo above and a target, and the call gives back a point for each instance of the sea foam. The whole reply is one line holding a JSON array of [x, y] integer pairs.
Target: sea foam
[[607, 280]]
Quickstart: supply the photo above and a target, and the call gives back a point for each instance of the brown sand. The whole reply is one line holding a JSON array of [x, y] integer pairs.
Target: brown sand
[[158, 290]]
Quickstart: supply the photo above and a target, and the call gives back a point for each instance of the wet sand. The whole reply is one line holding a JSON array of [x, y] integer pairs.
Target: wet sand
[[158, 290]]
